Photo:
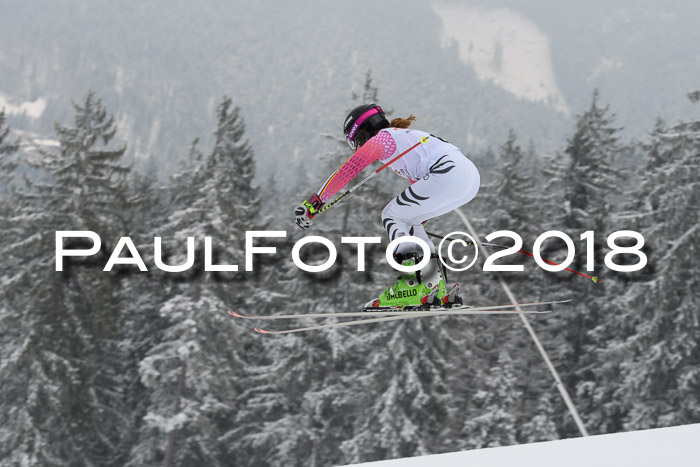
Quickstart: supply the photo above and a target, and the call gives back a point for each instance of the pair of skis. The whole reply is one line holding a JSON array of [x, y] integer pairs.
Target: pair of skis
[[393, 314]]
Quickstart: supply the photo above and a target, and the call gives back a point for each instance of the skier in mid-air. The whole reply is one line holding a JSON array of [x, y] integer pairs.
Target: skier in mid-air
[[442, 179]]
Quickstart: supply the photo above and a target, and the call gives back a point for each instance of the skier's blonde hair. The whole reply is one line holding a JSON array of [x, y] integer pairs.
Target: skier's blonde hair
[[403, 122]]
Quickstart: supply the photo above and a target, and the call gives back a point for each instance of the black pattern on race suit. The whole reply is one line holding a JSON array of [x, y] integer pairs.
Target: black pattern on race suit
[[452, 181]]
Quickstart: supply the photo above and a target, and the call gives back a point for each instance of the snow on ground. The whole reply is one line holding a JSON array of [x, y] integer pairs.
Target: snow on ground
[[30, 141], [504, 47], [32, 145], [676, 446], [31, 109], [52, 143]]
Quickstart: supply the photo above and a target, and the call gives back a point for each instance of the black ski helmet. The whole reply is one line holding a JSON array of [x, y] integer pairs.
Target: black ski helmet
[[362, 122]]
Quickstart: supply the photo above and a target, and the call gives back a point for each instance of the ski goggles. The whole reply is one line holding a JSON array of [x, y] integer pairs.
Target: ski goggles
[[351, 142]]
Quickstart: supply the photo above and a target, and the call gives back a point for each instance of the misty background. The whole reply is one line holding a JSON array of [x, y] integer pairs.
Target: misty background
[[181, 119], [472, 70]]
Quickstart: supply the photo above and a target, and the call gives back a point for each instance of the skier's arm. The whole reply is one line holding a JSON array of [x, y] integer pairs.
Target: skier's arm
[[380, 146]]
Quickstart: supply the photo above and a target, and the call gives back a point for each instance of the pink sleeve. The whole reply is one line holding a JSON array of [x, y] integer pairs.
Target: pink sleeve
[[380, 146]]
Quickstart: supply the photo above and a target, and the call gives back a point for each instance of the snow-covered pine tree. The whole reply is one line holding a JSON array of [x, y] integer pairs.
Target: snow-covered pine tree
[[232, 156], [10, 298], [660, 358], [143, 296], [193, 371], [498, 405], [7, 149], [512, 196], [541, 426], [583, 183], [525, 199], [70, 369], [590, 178], [89, 176], [8, 203], [403, 387], [7, 175], [293, 413], [512, 201]]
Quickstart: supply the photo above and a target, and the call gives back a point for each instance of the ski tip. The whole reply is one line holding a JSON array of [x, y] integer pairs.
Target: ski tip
[[237, 315], [262, 331]]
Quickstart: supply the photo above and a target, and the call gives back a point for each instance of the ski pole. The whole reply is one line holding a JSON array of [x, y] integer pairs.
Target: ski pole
[[493, 245], [335, 201]]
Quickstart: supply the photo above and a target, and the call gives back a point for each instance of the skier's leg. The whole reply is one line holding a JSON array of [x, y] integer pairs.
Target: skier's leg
[[414, 231], [453, 182]]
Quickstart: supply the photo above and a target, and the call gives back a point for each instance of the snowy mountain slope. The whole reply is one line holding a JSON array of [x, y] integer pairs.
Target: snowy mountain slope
[[32, 109], [505, 47], [675, 446]]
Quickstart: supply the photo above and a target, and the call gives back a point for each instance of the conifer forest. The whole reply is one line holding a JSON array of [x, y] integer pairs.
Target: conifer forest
[[131, 367], [170, 130]]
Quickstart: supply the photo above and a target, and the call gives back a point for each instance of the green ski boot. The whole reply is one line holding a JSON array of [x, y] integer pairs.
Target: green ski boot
[[420, 289]]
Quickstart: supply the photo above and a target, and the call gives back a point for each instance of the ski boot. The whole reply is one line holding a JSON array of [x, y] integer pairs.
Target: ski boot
[[435, 274], [417, 290]]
